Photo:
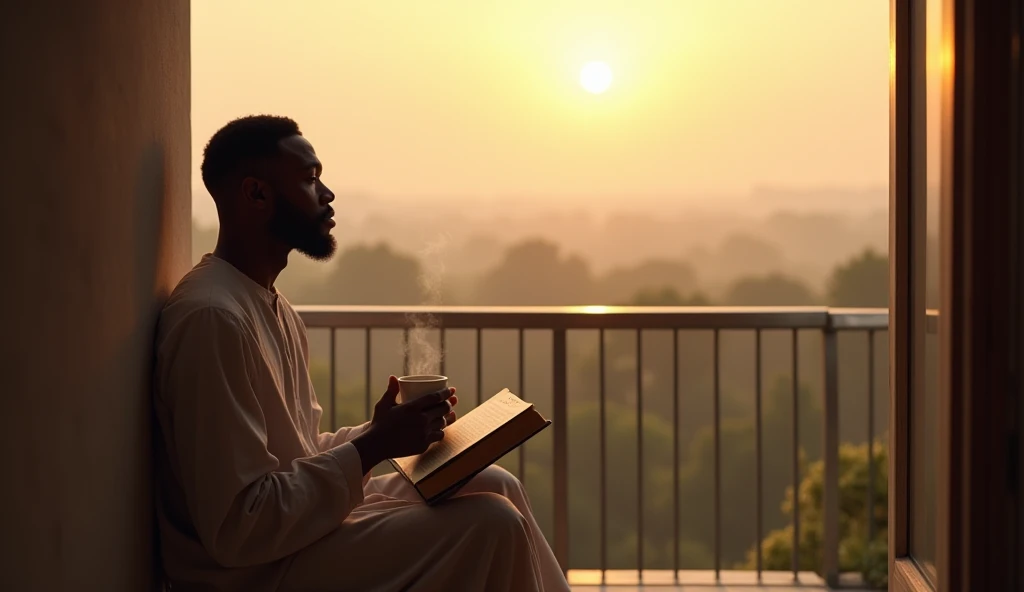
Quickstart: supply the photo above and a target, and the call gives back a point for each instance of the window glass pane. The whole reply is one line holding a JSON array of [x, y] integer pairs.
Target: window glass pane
[[924, 402]]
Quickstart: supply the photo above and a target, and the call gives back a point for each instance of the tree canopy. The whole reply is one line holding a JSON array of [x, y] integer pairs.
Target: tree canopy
[[770, 290], [861, 282]]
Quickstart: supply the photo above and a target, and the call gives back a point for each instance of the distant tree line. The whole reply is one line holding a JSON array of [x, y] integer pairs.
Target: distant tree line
[[536, 272]]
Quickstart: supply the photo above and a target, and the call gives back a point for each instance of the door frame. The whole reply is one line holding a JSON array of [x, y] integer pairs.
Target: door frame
[[980, 408], [907, 175]]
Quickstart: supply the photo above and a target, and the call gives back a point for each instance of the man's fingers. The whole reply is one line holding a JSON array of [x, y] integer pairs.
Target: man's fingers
[[437, 410], [450, 418], [390, 396], [438, 424], [435, 435]]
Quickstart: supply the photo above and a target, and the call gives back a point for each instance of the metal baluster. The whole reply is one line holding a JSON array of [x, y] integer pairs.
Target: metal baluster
[[796, 455], [368, 345], [604, 458], [718, 463], [675, 455], [334, 387], [479, 368], [522, 395], [830, 458], [871, 436], [640, 454], [759, 453], [561, 452]]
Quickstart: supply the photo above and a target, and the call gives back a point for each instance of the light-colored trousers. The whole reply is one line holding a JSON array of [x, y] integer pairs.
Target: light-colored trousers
[[484, 539]]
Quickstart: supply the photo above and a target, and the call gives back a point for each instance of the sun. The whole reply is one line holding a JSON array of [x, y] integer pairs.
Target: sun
[[595, 77]]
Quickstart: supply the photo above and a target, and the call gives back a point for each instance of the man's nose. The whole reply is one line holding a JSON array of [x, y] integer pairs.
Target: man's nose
[[326, 196]]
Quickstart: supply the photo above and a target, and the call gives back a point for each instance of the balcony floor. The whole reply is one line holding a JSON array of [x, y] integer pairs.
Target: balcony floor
[[697, 581]]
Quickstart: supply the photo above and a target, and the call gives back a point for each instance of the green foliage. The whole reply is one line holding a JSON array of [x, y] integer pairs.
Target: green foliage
[[856, 552], [370, 275], [667, 296], [738, 443], [349, 402], [746, 254], [535, 273], [861, 282], [654, 275], [770, 290], [621, 489]]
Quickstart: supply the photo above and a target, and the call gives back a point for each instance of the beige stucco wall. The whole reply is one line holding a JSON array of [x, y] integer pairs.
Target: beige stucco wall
[[94, 231]]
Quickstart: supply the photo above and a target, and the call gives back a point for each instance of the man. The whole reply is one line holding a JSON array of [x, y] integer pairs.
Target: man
[[253, 497]]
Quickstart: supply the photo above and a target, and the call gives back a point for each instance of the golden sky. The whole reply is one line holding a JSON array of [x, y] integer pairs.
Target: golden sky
[[480, 99]]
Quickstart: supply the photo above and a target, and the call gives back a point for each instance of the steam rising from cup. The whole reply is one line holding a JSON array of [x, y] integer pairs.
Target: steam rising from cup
[[423, 355]]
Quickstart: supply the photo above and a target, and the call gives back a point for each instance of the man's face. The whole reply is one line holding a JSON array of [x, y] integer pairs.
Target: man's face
[[302, 217]]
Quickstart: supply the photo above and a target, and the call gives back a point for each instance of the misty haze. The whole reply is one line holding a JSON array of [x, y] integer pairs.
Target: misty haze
[[776, 247]]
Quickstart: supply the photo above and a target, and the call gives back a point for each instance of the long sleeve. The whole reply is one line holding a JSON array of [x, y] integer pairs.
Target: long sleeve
[[328, 440], [246, 509]]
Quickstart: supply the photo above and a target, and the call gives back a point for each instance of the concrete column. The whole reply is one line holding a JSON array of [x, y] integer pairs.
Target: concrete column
[[94, 232]]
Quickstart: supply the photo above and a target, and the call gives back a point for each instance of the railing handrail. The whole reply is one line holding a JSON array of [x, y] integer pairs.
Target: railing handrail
[[592, 317]]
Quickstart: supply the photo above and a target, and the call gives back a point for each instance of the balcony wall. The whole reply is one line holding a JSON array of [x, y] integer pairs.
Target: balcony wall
[[95, 231]]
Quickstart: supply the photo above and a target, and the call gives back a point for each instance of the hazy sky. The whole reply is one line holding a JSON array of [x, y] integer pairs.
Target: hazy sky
[[481, 99]]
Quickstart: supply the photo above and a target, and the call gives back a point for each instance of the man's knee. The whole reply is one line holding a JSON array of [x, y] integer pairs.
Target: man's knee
[[497, 480], [494, 513]]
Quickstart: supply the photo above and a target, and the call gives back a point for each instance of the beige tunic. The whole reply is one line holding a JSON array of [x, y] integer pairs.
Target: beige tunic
[[253, 497]]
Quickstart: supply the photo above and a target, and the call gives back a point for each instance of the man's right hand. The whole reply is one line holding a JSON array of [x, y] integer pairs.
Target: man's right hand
[[406, 429]]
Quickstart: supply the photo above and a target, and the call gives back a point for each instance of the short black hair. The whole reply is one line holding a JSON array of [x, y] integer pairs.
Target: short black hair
[[241, 141]]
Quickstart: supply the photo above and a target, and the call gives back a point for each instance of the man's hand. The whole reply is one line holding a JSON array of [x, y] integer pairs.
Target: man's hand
[[404, 430], [453, 400]]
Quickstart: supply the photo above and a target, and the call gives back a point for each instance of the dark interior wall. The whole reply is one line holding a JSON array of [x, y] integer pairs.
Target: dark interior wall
[[94, 232]]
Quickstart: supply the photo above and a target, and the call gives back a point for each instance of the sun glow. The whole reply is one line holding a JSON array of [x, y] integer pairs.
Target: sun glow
[[596, 77]]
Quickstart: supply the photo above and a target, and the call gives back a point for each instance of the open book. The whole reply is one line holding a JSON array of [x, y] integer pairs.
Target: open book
[[470, 445]]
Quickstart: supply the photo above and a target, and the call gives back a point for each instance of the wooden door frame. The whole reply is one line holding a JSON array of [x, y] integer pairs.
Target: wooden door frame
[[907, 176], [980, 326]]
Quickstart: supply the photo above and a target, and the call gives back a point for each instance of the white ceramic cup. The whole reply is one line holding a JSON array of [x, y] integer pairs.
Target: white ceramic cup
[[413, 387]]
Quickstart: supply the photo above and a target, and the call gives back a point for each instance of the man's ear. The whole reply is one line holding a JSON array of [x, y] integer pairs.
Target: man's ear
[[255, 192]]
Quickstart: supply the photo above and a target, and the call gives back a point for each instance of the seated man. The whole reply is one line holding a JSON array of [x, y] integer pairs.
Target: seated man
[[252, 497]]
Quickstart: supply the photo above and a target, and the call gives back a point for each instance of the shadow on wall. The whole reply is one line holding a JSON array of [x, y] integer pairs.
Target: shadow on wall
[[151, 229]]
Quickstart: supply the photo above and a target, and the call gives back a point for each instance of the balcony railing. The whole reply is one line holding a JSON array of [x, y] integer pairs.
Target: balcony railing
[[366, 322]]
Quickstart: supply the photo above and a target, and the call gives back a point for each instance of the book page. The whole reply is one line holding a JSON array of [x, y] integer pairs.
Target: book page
[[466, 431]]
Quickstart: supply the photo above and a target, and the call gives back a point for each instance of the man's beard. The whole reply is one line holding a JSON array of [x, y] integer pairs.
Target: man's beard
[[301, 233]]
